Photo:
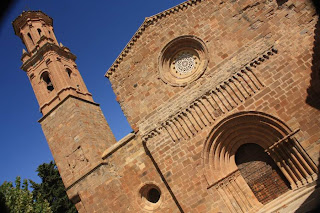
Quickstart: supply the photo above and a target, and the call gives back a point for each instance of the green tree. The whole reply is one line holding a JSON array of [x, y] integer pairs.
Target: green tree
[[52, 189], [19, 199], [3, 207]]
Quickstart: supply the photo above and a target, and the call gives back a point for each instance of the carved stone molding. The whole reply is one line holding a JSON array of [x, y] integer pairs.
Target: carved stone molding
[[207, 108]]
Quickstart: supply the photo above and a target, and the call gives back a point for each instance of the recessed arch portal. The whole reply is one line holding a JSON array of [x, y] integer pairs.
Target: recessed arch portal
[[270, 133], [260, 172]]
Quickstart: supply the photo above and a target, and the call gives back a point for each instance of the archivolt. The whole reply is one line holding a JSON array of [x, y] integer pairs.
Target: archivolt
[[259, 128]]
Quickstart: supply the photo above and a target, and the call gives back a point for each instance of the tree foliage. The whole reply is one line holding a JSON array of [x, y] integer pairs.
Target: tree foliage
[[49, 196], [52, 189], [17, 199]]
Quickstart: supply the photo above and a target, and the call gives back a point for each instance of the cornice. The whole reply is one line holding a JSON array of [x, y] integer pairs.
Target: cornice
[[64, 100], [25, 16], [63, 51], [148, 22]]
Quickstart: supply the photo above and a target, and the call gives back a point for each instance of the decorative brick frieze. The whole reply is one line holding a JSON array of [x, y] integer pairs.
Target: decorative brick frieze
[[207, 108]]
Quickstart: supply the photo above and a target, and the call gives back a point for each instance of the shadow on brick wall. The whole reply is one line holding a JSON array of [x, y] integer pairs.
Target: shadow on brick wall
[[147, 151], [313, 98]]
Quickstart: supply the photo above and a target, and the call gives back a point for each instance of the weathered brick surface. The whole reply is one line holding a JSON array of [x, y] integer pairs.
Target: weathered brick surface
[[262, 64], [77, 134], [235, 33]]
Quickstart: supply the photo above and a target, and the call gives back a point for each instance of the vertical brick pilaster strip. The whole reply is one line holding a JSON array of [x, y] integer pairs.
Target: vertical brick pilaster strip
[[171, 136], [224, 197], [173, 130], [225, 98], [239, 81], [216, 103], [306, 157], [182, 126], [232, 197], [246, 73], [187, 123], [236, 86], [205, 106], [199, 114], [188, 117], [233, 91], [193, 117], [239, 195], [198, 104], [283, 167], [295, 165], [178, 132], [290, 165], [220, 101], [245, 198], [225, 88], [247, 83]]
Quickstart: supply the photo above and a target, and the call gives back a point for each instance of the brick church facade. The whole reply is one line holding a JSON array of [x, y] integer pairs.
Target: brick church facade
[[223, 98]]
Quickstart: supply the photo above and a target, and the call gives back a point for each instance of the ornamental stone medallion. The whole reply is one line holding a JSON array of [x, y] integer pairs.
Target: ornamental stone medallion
[[182, 61]]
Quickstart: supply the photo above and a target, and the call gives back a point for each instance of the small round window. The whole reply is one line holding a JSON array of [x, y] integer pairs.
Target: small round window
[[182, 61], [153, 195], [150, 196]]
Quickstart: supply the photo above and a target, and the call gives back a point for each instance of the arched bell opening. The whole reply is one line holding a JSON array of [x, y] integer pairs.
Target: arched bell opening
[[277, 143], [45, 77]]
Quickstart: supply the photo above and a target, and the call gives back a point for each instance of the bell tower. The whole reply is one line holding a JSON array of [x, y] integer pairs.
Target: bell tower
[[50, 66], [74, 126]]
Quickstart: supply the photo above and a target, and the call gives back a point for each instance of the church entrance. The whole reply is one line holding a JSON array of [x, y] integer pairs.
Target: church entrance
[[260, 172]]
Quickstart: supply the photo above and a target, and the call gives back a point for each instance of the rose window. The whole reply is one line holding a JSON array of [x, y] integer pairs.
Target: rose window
[[184, 63], [183, 60]]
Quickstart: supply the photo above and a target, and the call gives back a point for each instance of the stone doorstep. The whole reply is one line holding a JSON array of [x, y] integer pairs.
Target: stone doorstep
[[289, 201]]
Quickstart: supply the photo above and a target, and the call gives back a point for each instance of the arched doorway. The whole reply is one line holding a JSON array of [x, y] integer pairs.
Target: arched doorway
[[260, 172], [274, 139]]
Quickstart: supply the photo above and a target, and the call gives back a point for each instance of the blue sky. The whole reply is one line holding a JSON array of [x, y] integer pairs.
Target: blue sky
[[95, 32]]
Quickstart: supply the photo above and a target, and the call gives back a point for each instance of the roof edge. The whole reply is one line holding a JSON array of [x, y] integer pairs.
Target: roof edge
[[25, 16], [146, 23]]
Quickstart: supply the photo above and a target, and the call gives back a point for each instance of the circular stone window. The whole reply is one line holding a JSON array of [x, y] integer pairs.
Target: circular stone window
[[151, 196], [183, 60]]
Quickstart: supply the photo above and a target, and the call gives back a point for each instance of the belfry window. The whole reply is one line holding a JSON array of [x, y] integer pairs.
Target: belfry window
[[39, 31], [30, 38], [69, 72], [45, 77]]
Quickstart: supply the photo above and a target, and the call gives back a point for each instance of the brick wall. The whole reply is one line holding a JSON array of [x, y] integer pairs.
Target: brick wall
[[260, 59], [268, 48], [77, 134]]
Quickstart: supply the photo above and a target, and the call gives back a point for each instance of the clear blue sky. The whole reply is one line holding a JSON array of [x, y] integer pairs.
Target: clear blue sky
[[96, 32]]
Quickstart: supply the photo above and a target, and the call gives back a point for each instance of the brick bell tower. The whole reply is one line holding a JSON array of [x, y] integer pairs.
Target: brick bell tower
[[74, 126]]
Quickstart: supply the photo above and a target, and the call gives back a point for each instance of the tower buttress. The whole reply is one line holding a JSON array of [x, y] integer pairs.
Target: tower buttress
[[75, 128]]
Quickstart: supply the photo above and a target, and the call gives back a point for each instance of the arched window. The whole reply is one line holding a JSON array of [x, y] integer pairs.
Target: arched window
[[45, 77], [69, 72], [31, 76], [30, 38], [39, 31]]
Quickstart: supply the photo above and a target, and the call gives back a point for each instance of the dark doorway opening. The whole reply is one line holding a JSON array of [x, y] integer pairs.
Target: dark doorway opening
[[261, 173]]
